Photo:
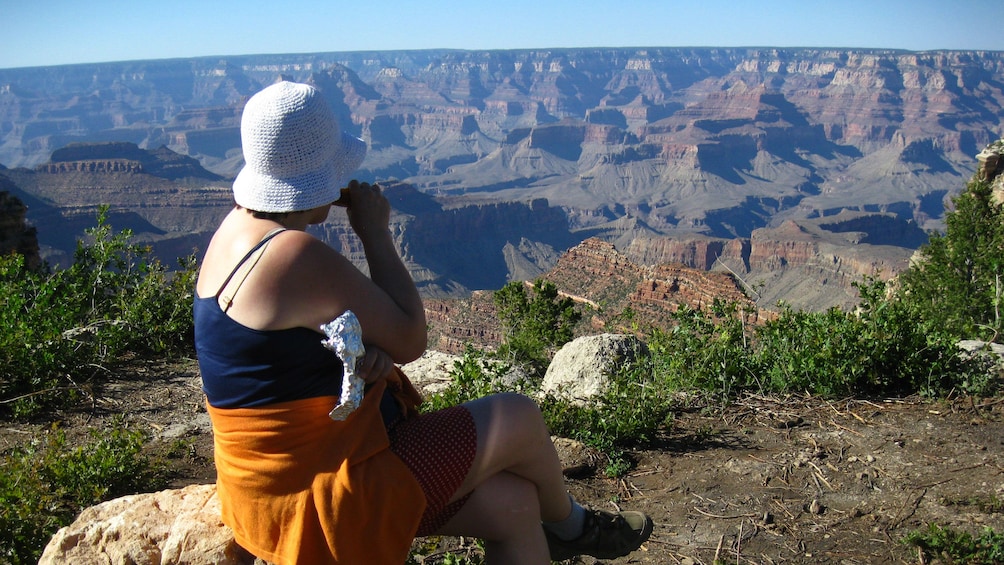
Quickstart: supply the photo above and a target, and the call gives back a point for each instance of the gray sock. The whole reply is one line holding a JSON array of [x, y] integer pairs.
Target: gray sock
[[571, 527]]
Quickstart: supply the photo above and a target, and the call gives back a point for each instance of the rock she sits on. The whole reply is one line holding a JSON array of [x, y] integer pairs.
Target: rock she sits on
[[170, 527]]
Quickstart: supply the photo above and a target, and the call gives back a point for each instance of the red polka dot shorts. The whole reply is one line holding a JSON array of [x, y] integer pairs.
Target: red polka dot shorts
[[439, 448]]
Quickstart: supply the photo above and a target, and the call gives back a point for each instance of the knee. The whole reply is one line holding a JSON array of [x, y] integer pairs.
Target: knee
[[518, 402], [509, 416], [519, 405], [522, 410], [523, 414]]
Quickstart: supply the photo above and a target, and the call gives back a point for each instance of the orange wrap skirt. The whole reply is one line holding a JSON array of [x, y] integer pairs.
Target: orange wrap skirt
[[299, 488]]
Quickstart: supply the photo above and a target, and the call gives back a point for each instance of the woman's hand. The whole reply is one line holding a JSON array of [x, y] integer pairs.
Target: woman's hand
[[388, 305], [375, 365], [367, 209]]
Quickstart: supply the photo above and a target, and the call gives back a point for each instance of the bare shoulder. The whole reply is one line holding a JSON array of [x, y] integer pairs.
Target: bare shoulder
[[305, 255], [308, 279]]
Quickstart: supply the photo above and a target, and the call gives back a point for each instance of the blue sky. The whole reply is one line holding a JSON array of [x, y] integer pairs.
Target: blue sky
[[53, 32]]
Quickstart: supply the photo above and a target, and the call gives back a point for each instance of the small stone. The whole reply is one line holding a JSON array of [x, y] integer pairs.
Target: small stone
[[815, 507]]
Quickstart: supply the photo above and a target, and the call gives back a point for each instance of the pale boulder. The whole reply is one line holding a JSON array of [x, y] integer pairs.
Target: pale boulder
[[430, 373], [171, 527], [581, 370]]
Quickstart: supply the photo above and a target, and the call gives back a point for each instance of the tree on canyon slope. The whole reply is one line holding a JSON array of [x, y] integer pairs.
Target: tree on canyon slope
[[534, 323], [958, 281]]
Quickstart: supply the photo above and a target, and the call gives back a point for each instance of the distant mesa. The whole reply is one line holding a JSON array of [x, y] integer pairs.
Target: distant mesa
[[124, 157]]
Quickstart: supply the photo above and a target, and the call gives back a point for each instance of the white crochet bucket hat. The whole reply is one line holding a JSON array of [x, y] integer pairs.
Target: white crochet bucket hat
[[296, 156]]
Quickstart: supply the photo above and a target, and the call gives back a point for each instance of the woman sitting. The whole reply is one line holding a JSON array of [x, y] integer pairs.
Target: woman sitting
[[299, 487]]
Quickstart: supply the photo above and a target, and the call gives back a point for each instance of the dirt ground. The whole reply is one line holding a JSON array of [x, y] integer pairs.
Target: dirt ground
[[762, 481]]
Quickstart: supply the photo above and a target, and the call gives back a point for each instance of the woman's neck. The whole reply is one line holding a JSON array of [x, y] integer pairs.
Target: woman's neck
[[293, 221]]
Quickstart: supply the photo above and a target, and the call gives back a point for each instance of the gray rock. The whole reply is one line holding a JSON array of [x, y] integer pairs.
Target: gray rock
[[430, 373], [581, 370]]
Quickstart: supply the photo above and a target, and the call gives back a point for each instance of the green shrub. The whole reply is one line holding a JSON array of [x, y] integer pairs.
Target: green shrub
[[957, 286], [706, 350], [534, 325], [954, 546], [35, 359], [44, 485], [126, 299], [882, 349], [62, 328], [809, 352]]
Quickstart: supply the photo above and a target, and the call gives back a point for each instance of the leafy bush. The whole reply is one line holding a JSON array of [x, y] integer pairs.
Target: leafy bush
[[61, 328], [535, 325], [45, 484], [882, 349], [954, 546], [814, 352], [957, 285], [706, 350], [126, 299], [35, 360]]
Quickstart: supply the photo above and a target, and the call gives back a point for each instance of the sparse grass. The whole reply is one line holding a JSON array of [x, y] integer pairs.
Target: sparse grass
[[987, 504], [956, 546], [45, 483], [431, 551]]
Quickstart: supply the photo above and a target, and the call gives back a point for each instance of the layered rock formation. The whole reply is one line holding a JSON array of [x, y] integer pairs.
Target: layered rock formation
[[168, 200], [809, 265], [665, 135], [689, 155], [616, 293], [624, 292], [124, 157]]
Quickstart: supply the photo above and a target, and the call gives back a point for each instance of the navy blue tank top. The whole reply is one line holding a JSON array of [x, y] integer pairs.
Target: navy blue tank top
[[243, 367]]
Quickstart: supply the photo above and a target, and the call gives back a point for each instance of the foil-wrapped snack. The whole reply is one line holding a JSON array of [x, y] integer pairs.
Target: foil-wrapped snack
[[345, 338]]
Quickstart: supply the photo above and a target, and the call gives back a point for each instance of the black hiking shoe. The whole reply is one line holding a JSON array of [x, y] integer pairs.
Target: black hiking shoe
[[604, 536]]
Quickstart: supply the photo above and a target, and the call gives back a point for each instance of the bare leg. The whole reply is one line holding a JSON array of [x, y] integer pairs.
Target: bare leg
[[515, 459], [513, 437], [503, 511]]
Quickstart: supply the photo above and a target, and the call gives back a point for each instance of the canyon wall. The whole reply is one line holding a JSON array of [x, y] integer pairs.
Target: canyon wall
[[789, 168], [714, 141]]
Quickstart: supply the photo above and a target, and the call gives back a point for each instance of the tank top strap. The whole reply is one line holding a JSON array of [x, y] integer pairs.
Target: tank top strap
[[268, 237]]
